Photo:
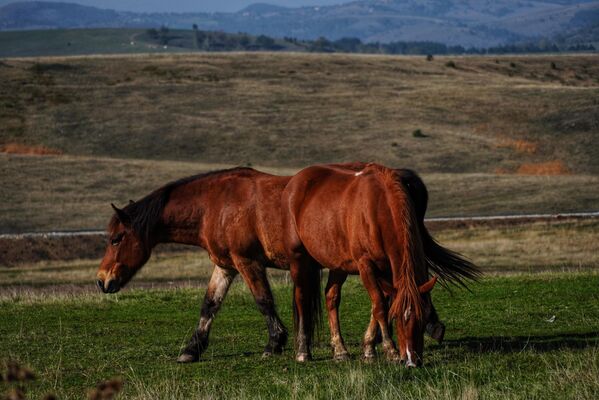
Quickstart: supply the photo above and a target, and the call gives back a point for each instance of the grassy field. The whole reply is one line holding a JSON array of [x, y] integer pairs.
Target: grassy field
[[66, 192], [76, 42], [485, 114], [530, 248], [497, 134], [499, 345]]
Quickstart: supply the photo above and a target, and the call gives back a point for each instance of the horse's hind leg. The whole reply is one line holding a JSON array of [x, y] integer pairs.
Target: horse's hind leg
[[255, 277], [333, 297], [217, 290], [434, 327]]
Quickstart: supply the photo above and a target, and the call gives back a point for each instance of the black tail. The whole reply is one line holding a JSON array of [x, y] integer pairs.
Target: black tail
[[451, 267], [311, 296]]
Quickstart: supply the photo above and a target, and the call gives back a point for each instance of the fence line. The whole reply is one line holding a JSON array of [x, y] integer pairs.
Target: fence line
[[516, 217]]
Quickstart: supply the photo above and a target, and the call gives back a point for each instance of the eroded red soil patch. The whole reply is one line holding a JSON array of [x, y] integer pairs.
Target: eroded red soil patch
[[556, 167], [18, 148]]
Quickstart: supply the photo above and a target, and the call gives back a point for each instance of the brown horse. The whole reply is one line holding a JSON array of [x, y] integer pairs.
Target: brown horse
[[451, 267], [358, 223], [234, 215]]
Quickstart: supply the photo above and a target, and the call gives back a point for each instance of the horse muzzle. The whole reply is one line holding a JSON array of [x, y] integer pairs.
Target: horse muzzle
[[111, 286]]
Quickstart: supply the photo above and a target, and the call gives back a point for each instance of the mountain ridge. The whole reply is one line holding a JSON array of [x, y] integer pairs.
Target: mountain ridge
[[468, 23]]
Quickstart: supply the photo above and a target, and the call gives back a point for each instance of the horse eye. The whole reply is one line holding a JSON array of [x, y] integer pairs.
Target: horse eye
[[117, 239]]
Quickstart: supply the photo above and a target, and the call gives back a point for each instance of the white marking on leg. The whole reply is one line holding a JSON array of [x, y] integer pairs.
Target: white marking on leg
[[409, 363], [205, 323], [359, 173]]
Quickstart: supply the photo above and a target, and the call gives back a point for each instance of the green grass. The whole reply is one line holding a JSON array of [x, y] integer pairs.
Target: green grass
[[499, 345], [75, 42]]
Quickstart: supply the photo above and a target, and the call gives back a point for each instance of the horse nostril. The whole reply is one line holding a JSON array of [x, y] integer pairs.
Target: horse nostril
[[100, 284], [112, 286]]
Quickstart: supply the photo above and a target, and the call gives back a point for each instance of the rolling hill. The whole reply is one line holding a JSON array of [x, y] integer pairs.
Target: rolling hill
[[490, 135]]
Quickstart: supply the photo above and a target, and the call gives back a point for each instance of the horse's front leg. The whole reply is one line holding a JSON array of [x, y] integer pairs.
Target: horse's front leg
[[379, 312], [333, 299], [371, 338], [254, 275], [219, 284]]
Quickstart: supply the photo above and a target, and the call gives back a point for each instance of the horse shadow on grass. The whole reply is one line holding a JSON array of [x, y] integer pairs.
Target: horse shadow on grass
[[515, 344]]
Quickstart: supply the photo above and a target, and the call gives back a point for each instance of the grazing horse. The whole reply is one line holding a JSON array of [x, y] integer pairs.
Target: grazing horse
[[357, 223], [234, 215], [451, 267]]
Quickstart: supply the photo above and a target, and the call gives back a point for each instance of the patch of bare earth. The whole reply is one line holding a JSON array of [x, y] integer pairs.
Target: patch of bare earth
[[18, 148], [556, 167], [519, 145]]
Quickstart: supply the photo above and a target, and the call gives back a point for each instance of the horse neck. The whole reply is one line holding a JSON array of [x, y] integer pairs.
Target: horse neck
[[181, 220]]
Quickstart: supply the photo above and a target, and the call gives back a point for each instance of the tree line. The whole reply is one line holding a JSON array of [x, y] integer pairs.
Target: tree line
[[221, 41]]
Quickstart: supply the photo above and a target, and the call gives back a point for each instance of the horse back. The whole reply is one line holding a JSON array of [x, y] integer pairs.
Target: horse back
[[336, 214], [241, 217]]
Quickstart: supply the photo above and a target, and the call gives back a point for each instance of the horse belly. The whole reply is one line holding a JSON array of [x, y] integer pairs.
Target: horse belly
[[325, 240]]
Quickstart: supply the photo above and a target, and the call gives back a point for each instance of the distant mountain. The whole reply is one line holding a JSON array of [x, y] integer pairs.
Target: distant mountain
[[39, 15], [478, 23]]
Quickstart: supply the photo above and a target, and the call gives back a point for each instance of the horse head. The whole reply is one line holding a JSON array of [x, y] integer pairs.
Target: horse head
[[126, 252], [411, 326]]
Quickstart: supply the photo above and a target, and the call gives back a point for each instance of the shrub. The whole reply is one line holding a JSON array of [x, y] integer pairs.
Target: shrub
[[450, 64], [418, 134]]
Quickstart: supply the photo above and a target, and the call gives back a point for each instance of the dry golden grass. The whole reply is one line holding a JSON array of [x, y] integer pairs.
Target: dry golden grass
[[538, 247], [128, 124], [66, 192], [298, 109], [552, 246]]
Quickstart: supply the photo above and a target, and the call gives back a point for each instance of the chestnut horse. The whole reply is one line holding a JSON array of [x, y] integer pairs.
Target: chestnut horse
[[357, 223], [235, 216], [451, 267]]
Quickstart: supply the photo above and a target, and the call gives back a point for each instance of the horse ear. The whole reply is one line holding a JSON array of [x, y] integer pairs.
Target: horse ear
[[122, 215], [427, 286]]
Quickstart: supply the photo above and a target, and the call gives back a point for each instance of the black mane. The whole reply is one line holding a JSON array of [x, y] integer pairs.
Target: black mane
[[145, 214]]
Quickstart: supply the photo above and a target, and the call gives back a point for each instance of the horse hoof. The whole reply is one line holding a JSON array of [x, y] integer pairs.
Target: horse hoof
[[341, 357], [267, 354], [439, 333], [368, 358], [303, 357], [410, 364], [187, 358]]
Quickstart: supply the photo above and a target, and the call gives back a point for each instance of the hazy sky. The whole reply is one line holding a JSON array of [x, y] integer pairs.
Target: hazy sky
[[188, 5]]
